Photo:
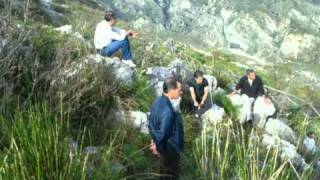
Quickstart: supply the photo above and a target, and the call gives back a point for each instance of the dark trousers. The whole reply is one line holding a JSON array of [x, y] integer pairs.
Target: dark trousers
[[204, 108], [169, 166]]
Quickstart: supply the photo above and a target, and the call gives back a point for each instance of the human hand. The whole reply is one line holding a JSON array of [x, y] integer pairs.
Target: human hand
[[196, 104], [266, 100], [129, 33], [153, 149], [233, 93], [134, 34], [202, 103]]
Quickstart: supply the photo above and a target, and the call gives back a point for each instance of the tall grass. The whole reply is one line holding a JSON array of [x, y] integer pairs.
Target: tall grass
[[37, 145], [227, 152]]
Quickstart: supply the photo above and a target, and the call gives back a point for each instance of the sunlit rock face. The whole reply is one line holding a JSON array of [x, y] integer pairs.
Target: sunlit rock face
[[270, 30]]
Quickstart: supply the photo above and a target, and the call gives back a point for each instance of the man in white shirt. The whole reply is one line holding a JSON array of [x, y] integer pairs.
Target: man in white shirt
[[109, 39]]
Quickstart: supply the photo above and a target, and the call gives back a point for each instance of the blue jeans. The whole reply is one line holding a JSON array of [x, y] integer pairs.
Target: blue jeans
[[115, 46]]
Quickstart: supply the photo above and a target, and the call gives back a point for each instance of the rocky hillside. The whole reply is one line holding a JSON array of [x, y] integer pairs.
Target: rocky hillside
[[67, 112], [275, 36], [270, 30]]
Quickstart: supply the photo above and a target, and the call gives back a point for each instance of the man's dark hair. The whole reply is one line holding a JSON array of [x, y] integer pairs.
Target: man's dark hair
[[109, 16], [197, 74], [250, 70], [310, 133], [169, 84]]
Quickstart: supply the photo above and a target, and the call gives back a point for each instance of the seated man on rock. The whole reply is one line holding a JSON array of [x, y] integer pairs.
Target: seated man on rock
[[250, 87], [199, 90], [109, 39]]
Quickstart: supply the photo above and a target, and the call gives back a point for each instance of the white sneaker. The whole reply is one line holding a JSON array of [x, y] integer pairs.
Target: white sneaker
[[129, 63]]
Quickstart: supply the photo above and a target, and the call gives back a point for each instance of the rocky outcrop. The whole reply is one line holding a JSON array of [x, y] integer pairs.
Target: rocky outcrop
[[177, 68], [257, 28], [120, 70], [288, 152], [279, 129], [47, 7], [258, 111]]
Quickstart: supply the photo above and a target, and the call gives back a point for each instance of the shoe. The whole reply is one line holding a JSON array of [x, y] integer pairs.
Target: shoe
[[129, 63]]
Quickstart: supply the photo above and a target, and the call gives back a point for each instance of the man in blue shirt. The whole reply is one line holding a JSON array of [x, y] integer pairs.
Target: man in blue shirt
[[166, 130]]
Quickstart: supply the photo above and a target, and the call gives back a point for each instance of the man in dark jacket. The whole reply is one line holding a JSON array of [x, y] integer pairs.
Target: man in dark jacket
[[251, 85], [166, 130]]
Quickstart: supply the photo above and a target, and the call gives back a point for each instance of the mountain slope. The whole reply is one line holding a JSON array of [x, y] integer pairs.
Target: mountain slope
[[270, 30]]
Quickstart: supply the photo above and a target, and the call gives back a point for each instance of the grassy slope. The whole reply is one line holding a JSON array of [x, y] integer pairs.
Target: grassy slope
[[130, 147]]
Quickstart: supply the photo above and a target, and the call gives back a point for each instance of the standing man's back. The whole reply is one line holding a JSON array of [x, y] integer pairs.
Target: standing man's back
[[166, 130]]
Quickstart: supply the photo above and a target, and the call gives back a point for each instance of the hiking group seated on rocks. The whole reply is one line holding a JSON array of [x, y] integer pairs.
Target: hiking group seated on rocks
[[108, 39]]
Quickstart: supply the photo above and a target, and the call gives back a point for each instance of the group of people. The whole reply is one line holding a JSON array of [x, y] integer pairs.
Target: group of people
[[165, 122]]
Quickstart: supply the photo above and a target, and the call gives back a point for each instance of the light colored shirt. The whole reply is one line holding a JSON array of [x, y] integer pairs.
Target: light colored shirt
[[105, 34], [310, 145], [250, 81]]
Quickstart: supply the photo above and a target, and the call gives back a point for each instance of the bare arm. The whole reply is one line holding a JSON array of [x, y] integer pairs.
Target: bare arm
[[206, 94], [193, 96]]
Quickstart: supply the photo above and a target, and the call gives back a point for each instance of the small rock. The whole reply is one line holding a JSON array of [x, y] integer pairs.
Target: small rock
[[117, 167], [65, 29], [140, 121], [89, 150], [73, 145]]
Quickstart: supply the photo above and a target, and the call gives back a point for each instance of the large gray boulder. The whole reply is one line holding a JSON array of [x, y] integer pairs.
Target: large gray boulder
[[176, 68], [121, 71], [262, 109], [48, 8], [279, 129], [140, 121], [288, 152], [180, 69], [213, 116], [243, 103]]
